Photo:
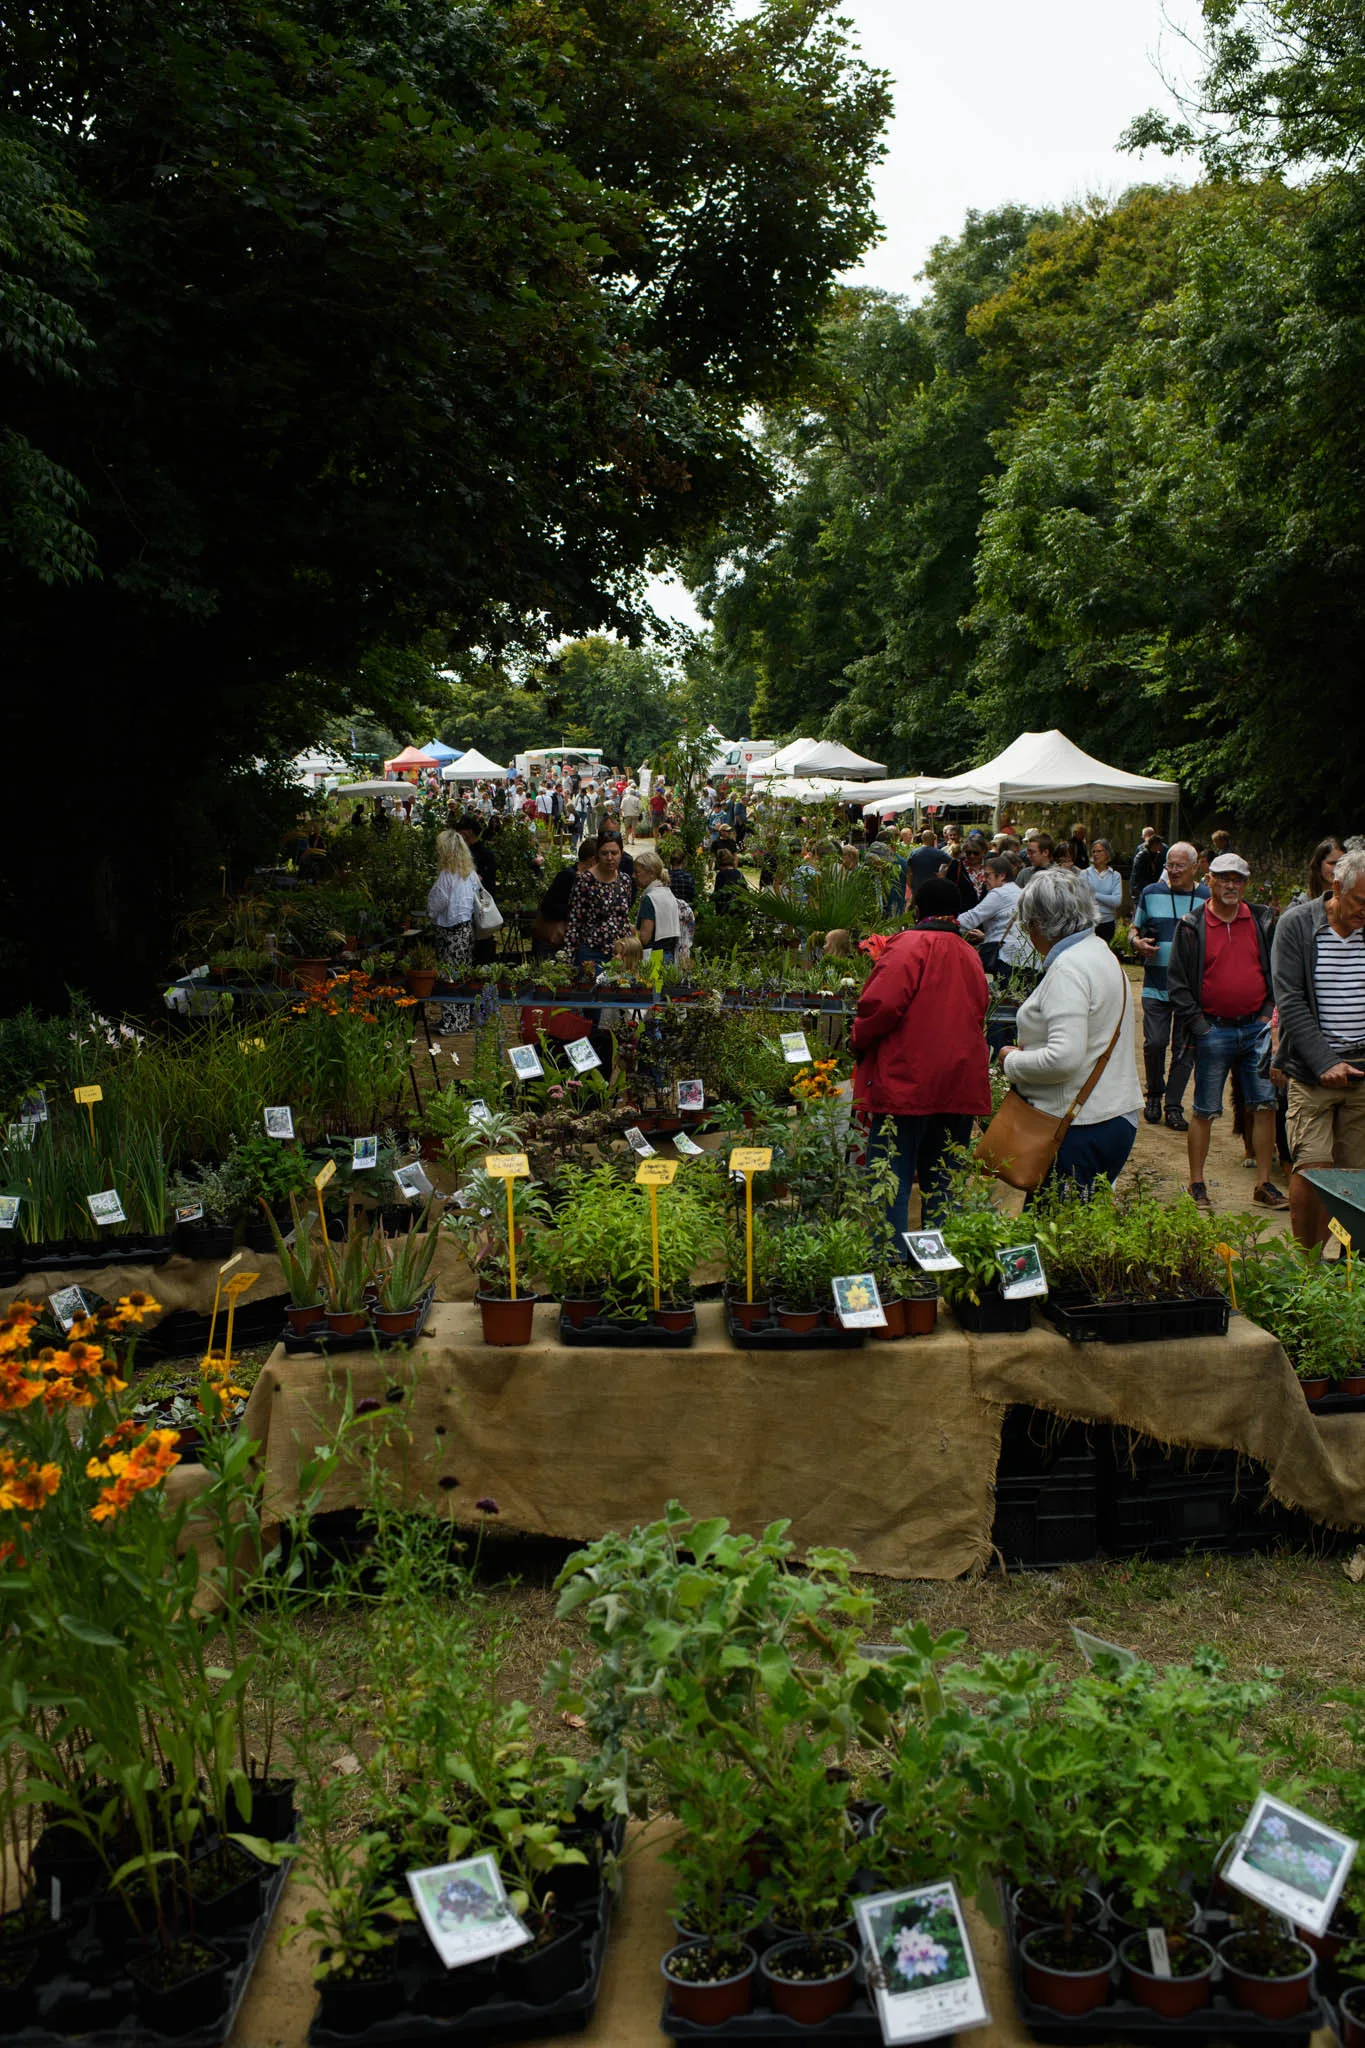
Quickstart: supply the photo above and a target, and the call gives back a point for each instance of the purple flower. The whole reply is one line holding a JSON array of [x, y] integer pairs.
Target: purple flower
[[369, 1406], [487, 1506]]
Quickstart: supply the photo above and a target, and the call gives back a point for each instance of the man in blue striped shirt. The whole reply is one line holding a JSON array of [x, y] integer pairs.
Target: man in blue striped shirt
[[1156, 914]]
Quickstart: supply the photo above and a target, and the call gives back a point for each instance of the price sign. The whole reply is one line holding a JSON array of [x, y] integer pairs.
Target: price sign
[[507, 1165], [751, 1159], [91, 1093], [327, 1174], [658, 1173], [795, 1050]]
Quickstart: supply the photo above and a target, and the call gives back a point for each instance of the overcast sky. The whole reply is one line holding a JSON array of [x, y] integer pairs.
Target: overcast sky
[[1002, 100]]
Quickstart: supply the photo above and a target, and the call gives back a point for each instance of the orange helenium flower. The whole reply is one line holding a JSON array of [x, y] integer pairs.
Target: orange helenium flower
[[132, 1472], [25, 1487]]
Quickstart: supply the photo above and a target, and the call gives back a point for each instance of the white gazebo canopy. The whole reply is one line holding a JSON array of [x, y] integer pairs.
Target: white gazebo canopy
[[473, 767], [809, 757], [1045, 767]]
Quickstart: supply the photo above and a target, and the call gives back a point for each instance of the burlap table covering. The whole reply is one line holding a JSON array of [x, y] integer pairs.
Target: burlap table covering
[[886, 1450], [189, 1283], [281, 2000], [1236, 1393]]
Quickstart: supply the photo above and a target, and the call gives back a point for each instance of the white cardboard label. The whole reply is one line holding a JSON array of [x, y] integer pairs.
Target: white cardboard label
[[279, 1122], [1295, 1865], [795, 1051], [106, 1208], [581, 1055]]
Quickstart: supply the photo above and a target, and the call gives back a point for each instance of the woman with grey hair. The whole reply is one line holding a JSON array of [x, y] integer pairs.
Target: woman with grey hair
[[1066, 1028], [657, 919], [1105, 884]]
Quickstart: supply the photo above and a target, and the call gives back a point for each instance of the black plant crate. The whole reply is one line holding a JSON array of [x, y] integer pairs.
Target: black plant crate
[[993, 1315], [1048, 1518], [857, 2022], [602, 1330], [184, 1333], [1122, 2019], [1162, 1503], [1033, 1442], [1137, 1322], [83, 1965], [770, 1336]]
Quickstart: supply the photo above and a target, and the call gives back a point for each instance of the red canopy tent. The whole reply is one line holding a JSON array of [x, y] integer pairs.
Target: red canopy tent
[[411, 759]]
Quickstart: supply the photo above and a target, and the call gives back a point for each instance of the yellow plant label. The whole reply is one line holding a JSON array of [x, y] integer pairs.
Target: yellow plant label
[[1340, 1232], [228, 1264], [507, 1165], [92, 1093], [751, 1159], [657, 1173], [251, 1044], [239, 1283], [328, 1172]]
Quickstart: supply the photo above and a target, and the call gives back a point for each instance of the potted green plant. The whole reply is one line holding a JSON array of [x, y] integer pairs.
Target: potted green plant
[[812, 1871], [746, 1313], [482, 1229], [975, 1236], [212, 1233], [797, 1275], [302, 1267], [350, 1273], [423, 966], [710, 1973], [1067, 1770], [578, 1257], [404, 1270]]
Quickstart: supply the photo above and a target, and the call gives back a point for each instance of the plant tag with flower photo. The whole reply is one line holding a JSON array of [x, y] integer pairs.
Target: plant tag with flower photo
[[638, 1142], [656, 1173], [364, 1153], [411, 1181], [582, 1055], [1295, 1865], [1158, 1951], [857, 1302], [33, 1108], [687, 1146], [21, 1133], [464, 1909], [191, 1212], [106, 1208], [9, 1211], [479, 1111], [929, 1252], [525, 1062], [1092, 1647], [279, 1122], [507, 1165], [920, 1969], [691, 1094], [70, 1302], [795, 1051], [1022, 1267]]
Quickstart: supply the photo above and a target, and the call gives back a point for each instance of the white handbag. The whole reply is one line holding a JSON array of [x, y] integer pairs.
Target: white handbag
[[487, 916]]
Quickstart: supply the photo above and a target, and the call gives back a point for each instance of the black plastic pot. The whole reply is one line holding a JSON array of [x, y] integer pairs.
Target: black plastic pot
[[354, 2001], [537, 1976], [180, 2005], [63, 1853], [993, 1315], [237, 1899], [18, 1986], [205, 1240]]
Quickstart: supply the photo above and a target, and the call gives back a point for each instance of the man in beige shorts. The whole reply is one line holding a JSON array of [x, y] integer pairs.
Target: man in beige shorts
[[1318, 966]]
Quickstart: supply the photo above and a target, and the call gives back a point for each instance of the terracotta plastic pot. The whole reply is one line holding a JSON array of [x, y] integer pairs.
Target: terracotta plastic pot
[[309, 973], [747, 1313], [707, 2005], [812, 1999], [1314, 1390], [1066, 1991], [580, 1309], [674, 1319], [921, 1315], [398, 1322], [345, 1322], [1172, 1997], [1354, 1384], [302, 1320], [1327, 1947], [1353, 2018], [506, 1321], [894, 1312], [800, 1321], [1274, 1998], [1028, 1902], [421, 981]]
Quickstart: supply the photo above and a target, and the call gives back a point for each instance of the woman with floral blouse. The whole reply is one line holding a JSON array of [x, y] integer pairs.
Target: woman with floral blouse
[[600, 908]]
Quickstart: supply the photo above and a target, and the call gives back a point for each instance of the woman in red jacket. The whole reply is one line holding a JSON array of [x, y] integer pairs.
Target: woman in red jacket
[[920, 1048]]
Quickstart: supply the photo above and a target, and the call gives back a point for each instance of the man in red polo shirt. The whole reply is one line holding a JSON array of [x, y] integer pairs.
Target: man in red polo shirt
[[1220, 988]]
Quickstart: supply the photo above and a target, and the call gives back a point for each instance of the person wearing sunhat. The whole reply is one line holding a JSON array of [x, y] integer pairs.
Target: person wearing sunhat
[[1221, 989]]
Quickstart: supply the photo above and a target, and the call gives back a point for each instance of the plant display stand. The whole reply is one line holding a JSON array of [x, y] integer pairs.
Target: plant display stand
[[89, 2001], [1122, 2019], [497, 2017]]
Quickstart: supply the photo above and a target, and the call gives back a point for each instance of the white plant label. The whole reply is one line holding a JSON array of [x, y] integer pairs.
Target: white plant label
[[1092, 1647], [478, 1111], [1159, 1952], [106, 1208], [639, 1143], [795, 1051], [920, 1966], [68, 1303], [1295, 1865], [21, 1134], [412, 1182], [364, 1154], [929, 1252], [525, 1062], [1022, 1267], [279, 1122], [581, 1055], [464, 1910], [687, 1146], [192, 1212], [691, 1095], [858, 1303], [9, 1211]]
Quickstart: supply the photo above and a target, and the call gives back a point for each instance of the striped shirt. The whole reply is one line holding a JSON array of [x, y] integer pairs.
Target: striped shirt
[[1339, 981], [1159, 910]]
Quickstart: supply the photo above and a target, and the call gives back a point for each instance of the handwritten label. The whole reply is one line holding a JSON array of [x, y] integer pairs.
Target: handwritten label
[[327, 1173], [1339, 1232], [657, 1173], [507, 1165], [92, 1092], [751, 1159], [239, 1283], [1158, 1951]]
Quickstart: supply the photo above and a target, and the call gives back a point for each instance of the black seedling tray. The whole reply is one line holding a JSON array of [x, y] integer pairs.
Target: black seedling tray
[[499, 2019], [368, 1339], [857, 2022], [132, 2032], [770, 1336], [993, 1316], [601, 1330], [1124, 2020], [91, 1256], [1338, 1404], [184, 1333], [1137, 1322]]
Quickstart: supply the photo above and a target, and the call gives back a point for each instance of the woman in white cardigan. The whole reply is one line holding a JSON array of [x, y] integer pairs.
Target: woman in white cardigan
[[450, 906], [1066, 1025]]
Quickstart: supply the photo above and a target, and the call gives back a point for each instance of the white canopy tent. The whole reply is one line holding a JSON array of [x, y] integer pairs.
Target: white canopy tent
[[1044, 767], [473, 767], [809, 757], [393, 788]]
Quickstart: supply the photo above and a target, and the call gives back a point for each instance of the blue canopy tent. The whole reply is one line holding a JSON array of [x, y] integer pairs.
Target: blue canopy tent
[[439, 751]]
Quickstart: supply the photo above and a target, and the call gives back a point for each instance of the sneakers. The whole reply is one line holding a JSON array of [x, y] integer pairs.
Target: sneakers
[[1200, 1196], [1250, 1162], [1176, 1120], [1267, 1196], [1153, 1110]]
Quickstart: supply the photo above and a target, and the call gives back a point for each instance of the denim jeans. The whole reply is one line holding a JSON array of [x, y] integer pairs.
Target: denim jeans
[[1089, 1150], [916, 1148], [1232, 1048]]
